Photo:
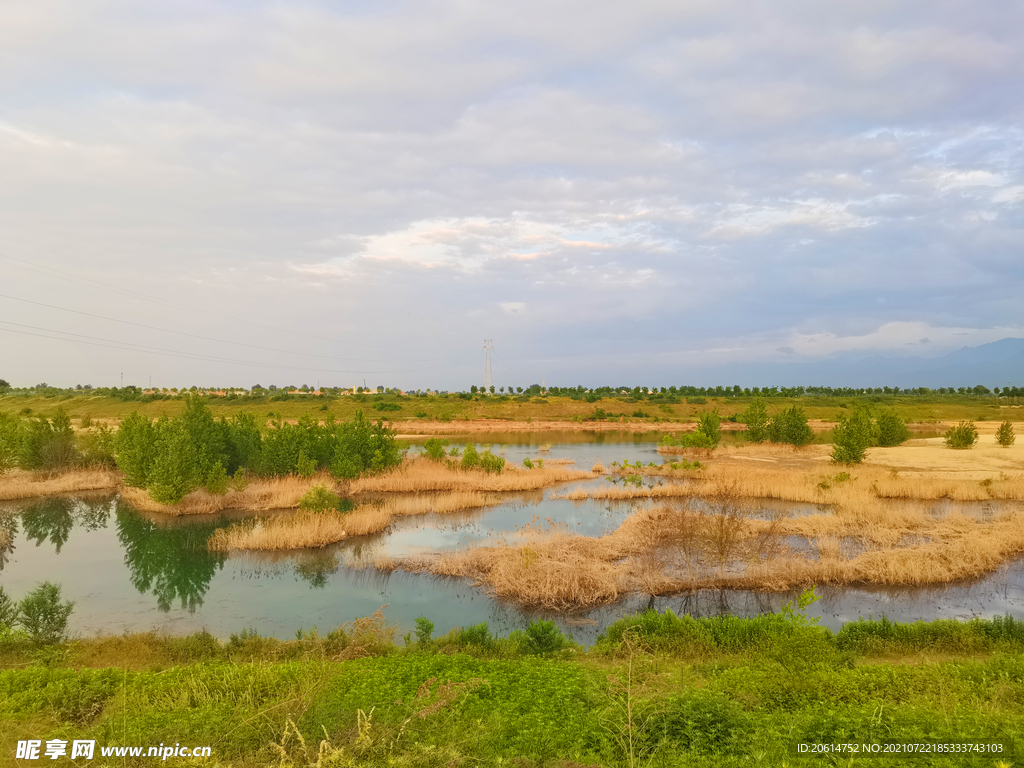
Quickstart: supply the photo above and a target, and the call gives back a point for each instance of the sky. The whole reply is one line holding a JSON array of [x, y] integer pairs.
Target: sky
[[236, 193]]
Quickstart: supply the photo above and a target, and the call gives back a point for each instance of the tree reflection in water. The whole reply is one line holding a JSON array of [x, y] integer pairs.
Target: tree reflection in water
[[54, 518], [8, 532], [171, 562]]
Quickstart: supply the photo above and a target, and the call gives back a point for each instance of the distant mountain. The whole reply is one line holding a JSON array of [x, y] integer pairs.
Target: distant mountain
[[998, 364]]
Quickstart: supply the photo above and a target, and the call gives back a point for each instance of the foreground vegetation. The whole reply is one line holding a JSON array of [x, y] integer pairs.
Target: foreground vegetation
[[655, 690]]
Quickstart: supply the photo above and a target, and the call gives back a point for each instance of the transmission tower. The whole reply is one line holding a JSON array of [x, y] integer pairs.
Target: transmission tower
[[488, 346]]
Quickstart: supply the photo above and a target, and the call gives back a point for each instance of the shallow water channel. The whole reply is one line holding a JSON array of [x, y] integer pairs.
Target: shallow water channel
[[129, 571]]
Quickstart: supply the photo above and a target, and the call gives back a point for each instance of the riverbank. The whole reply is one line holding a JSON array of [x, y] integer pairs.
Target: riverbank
[[655, 690]]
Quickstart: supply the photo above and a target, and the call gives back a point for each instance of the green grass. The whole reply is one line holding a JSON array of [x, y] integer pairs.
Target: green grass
[[656, 690], [454, 409]]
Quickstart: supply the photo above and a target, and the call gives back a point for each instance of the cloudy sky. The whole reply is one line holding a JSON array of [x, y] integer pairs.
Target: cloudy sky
[[232, 193]]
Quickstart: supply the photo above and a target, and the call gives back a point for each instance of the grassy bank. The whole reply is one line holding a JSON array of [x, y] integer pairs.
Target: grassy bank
[[655, 690], [450, 414]]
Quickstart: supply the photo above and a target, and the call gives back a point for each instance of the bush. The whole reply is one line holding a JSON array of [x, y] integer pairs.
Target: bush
[[710, 425], [1005, 436], [892, 430], [790, 426], [424, 629], [963, 435], [470, 457], [434, 448], [478, 634], [217, 481], [491, 463], [387, 407], [8, 611], [756, 419], [851, 438], [545, 637], [320, 498], [44, 616]]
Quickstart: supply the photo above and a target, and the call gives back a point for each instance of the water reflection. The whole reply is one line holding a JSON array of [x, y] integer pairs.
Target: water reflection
[[52, 519], [171, 562]]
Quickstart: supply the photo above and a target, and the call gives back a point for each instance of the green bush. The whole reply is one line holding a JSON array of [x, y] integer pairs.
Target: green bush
[[756, 419], [217, 481], [478, 635], [424, 629], [892, 430], [544, 637], [43, 615], [491, 463], [790, 426], [320, 498], [387, 407], [963, 435], [8, 611], [851, 437], [1005, 436], [434, 448], [470, 457], [709, 424]]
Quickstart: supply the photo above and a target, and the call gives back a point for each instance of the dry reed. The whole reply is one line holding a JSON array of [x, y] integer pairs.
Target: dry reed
[[259, 495], [424, 475], [300, 531], [20, 484]]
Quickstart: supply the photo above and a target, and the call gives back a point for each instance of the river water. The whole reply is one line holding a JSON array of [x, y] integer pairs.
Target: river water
[[130, 571]]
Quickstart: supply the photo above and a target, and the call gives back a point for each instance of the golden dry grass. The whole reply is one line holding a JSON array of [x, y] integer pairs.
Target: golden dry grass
[[304, 529], [665, 549], [299, 531], [424, 475], [259, 495], [20, 484]]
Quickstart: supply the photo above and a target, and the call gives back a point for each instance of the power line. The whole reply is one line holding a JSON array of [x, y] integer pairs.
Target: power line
[[21, 264], [205, 338], [149, 350]]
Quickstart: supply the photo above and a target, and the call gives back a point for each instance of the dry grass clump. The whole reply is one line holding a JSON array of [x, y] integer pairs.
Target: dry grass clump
[[259, 495], [300, 531], [315, 529], [20, 484], [425, 475], [598, 468], [860, 485]]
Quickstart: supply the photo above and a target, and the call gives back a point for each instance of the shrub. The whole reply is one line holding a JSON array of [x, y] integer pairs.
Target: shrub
[[8, 611], [387, 407], [851, 438], [1005, 436], [528, 462], [434, 448], [217, 481], [44, 616], [470, 457], [545, 637], [710, 425], [790, 426], [478, 634], [320, 498], [305, 466], [10, 442], [491, 463], [756, 419], [424, 629], [963, 435], [892, 430]]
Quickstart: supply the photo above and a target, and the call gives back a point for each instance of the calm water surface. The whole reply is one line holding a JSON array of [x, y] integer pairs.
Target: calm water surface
[[129, 571]]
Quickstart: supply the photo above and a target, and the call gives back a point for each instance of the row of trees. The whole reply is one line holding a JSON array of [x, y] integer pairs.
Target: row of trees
[[174, 456]]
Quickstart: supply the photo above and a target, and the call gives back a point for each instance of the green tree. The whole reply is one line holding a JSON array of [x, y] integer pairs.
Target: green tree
[[756, 419], [43, 615], [790, 426], [852, 436], [892, 430], [175, 468], [470, 457], [964, 435], [133, 445], [1005, 436], [709, 424], [10, 441]]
